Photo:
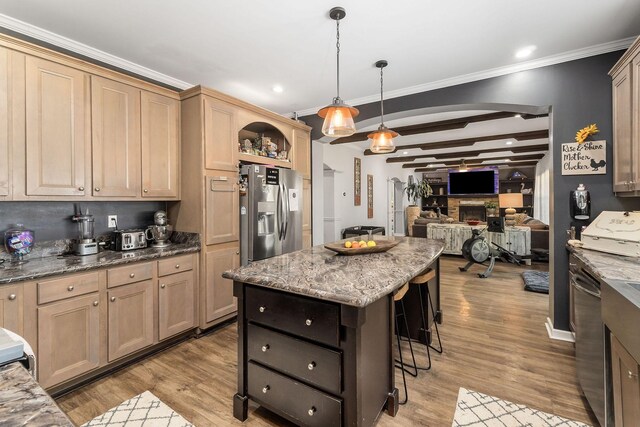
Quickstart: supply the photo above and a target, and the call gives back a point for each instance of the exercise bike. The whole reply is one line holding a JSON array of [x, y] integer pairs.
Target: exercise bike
[[477, 250]]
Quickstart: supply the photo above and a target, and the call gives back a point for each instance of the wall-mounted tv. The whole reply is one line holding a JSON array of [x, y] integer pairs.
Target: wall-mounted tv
[[473, 181]]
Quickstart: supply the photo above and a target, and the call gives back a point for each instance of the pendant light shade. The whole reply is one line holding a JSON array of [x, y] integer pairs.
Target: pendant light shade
[[338, 116], [382, 139]]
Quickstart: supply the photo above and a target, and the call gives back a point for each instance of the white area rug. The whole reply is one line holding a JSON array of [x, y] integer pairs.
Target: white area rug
[[143, 410], [479, 410]]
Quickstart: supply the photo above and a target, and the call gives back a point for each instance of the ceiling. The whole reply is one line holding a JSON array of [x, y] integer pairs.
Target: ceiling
[[244, 48]]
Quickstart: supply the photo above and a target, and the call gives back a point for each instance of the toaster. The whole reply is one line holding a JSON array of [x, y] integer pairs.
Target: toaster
[[126, 240]]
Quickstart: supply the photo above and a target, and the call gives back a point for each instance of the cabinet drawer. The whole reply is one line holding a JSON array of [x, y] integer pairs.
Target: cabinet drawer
[[314, 364], [306, 405], [306, 317], [129, 274], [67, 287], [175, 265]]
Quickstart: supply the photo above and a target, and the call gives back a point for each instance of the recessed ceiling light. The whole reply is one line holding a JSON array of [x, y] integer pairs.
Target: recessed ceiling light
[[509, 142], [517, 115], [525, 52], [277, 89], [507, 160], [429, 166], [405, 152]]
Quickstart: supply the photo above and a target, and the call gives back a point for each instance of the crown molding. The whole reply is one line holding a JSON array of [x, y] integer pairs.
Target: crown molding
[[572, 55], [88, 51]]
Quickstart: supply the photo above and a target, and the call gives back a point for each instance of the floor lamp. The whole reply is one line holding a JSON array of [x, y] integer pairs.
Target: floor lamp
[[510, 201]]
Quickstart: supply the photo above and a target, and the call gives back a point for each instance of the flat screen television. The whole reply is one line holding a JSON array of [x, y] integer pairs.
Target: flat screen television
[[473, 182]]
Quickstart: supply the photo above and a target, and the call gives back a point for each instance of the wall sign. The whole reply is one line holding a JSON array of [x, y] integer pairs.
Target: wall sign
[[588, 158], [357, 184], [369, 196]]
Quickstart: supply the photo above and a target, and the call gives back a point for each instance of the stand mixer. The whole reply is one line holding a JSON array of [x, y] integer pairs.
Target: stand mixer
[[161, 231]]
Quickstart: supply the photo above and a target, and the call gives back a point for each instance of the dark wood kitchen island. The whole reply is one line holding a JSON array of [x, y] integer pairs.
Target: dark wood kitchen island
[[315, 332]]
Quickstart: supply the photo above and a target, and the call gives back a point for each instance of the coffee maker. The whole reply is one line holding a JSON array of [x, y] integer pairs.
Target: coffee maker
[[160, 231], [85, 243]]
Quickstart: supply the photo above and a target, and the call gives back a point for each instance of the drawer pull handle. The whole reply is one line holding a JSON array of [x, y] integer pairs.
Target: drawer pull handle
[[308, 322], [81, 188], [311, 411], [95, 303], [177, 265], [163, 286], [145, 190], [132, 275], [265, 389], [632, 375], [265, 348], [311, 366], [113, 299], [262, 309], [12, 297], [97, 189], [70, 288]]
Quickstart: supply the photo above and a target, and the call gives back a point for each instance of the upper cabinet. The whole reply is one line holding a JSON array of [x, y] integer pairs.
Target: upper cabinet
[[626, 122], [5, 123], [160, 146], [220, 134], [302, 153], [115, 132], [57, 138]]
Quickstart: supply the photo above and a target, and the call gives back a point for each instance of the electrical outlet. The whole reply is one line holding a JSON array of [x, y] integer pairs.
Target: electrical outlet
[[112, 221]]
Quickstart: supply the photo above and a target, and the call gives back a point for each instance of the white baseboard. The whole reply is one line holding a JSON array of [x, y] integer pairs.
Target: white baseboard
[[558, 334]]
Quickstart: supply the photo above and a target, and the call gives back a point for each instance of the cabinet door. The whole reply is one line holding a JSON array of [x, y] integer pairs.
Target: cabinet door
[[222, 209], [622, 119], [306, 204], [130, 318], [626, 386], [4, 122], [220, 135], [635, 123], [68, 339], [11, 306], [115, 131], [176, 304], [302, 153], [160, 146], [219, 299], [57, 138], [307, 239]]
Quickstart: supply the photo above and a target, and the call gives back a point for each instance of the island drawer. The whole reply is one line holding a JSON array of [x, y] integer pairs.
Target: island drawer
[[309, 318], [304, 404], [317, 365], [129, 274], [175, 265], [67, 287]]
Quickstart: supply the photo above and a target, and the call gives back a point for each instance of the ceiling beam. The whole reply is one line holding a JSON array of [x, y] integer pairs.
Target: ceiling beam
[[514, 164], [457, 154], [477, 161], [466, 142], [439, 126]]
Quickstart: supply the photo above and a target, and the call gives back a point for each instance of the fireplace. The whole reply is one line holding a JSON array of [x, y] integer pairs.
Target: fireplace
[[467, 212]]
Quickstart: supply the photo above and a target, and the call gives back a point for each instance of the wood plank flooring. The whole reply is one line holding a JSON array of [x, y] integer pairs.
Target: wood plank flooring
[[494, 342]]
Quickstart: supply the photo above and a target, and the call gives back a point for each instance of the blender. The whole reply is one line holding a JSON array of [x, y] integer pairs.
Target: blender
[[85, 244], [160, 231]]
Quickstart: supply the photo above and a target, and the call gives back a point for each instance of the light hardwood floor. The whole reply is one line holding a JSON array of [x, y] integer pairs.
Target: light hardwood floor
[[494, 338]]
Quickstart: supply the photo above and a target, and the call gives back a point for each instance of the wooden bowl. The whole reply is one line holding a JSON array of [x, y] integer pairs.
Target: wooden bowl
[[381, 246]]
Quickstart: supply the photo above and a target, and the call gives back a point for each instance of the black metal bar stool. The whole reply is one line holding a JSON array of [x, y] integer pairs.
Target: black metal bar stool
[[400, 313]]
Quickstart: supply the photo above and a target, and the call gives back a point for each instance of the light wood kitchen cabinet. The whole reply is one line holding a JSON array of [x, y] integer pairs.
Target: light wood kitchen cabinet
[[626, 386], [219, 299], [68, 339], [626, 122], [5, 124], [222, 206], [57, 137], [130, 318], [11, 306], [306, 214], [115, 138], [160, 122], [220, 135], [176, 304], [302, 153]]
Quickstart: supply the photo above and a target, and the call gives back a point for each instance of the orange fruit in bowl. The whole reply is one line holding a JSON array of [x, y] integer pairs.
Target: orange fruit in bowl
[[355, 245]]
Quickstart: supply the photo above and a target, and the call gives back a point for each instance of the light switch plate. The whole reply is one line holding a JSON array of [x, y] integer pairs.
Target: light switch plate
[[112, 221]]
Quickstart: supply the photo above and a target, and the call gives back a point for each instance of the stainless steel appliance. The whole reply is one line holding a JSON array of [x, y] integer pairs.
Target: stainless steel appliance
[[270, 212], [126, 240], [85, 244], [160, 231], [589, 331]]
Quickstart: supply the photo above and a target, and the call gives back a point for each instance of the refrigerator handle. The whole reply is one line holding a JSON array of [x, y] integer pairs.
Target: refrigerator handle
[[279, 211], [286, 210]]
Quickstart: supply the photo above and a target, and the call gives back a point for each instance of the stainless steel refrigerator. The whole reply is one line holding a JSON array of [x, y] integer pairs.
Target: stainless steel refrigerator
[[270, 212]]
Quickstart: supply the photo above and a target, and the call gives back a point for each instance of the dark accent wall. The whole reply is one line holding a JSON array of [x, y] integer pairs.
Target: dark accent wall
[[578, 93], [52, 220]]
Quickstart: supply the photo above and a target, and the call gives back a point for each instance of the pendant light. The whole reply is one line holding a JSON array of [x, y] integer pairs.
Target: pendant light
[[382, 139], [338, 117]]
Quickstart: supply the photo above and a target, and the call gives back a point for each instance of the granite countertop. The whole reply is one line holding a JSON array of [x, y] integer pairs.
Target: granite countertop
[[64, 264], [355, 280], [24, 402], [608, 266]]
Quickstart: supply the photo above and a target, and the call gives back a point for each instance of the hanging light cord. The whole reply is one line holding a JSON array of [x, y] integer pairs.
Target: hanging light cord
[[338, 58], [381, 98]]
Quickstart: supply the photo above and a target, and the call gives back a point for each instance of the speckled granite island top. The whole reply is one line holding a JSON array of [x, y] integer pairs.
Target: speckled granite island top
[[609, 266], [24, 403], [64, 264], [355, 280]]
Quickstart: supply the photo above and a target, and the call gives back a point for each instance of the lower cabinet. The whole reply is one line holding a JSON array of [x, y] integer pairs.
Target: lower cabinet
[[176, 304], [626, 385], [11, 308], [219, 300], [68, 339], [130, 318]]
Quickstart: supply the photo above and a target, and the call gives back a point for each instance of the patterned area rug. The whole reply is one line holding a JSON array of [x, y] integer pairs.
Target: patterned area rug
[[143, 410], [480, 410]]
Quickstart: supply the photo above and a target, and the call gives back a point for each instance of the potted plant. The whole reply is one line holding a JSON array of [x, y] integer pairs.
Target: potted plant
[[492, 208], [415, 190]]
